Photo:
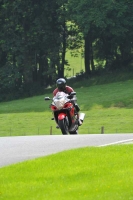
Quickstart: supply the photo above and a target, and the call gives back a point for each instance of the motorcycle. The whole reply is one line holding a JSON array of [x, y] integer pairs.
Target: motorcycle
[[65, 114]]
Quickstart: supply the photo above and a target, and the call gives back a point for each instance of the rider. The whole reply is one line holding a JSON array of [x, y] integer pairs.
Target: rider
[[62, 86]]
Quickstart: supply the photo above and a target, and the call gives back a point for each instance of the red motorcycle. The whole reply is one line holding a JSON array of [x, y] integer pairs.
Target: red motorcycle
[[65, 113]]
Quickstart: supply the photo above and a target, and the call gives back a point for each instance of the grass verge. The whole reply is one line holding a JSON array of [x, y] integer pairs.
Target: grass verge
[[103, 173]]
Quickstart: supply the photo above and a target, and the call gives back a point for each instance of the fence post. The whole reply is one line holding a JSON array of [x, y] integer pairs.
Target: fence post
[[102, 130], [50, 130]]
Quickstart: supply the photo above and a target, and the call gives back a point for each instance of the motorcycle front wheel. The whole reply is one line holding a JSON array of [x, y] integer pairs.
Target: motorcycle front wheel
[[63, 124]]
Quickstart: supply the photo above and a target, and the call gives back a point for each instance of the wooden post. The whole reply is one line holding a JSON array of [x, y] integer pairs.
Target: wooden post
[[50, 130], [102, 130]]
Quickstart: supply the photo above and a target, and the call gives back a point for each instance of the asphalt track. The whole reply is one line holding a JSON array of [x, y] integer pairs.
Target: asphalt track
[[21, 148]]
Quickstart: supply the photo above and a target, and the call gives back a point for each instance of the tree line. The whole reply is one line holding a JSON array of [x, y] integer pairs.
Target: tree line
[[36, 34]]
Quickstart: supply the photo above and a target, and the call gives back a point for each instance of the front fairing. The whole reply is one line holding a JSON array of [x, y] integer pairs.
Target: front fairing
[[59, 100]]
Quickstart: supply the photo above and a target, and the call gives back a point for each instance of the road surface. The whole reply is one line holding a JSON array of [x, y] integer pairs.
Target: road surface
[[21, 148]]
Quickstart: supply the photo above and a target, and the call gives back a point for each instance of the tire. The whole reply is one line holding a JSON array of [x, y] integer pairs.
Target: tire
[[73, 132], [63, 124]]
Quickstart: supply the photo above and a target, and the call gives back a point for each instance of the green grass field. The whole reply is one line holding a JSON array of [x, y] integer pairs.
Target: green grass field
[[100, 173], [109, 105], [76, 64]]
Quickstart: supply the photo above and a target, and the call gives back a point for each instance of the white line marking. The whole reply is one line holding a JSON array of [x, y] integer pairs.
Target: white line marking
[[121, 141]]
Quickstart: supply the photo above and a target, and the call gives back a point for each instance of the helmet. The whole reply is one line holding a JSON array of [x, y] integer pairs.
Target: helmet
[[61, 84]]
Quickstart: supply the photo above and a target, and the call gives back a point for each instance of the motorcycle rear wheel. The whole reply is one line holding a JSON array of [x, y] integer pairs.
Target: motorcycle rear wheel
[[63, 124]]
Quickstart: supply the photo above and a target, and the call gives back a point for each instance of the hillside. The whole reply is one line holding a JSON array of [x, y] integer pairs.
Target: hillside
[[109, 105]]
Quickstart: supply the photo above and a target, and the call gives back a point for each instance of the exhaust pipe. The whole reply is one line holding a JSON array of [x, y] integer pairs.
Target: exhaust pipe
[[81, 116]]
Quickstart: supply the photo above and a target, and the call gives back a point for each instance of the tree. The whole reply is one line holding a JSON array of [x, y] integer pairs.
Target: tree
[[106, 23], [30, 39]]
